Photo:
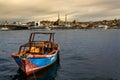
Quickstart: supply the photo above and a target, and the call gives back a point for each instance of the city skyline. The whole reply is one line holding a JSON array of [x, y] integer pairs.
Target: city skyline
[[81, 10]]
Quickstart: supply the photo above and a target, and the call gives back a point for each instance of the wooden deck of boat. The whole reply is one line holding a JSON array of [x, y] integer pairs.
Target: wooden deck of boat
[[37, 49]]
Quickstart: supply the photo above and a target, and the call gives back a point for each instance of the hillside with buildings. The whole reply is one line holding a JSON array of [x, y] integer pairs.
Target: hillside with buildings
[[60, 24]]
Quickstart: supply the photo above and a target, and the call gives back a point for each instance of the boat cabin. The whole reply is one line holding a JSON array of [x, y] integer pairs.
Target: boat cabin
[[38, 47]]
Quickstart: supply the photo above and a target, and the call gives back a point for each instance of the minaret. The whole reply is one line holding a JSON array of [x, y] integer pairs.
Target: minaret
[[58, 16], [58, 21], [65, 18]]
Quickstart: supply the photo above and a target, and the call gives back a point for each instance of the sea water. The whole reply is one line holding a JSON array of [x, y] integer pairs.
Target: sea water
[[86, 54]]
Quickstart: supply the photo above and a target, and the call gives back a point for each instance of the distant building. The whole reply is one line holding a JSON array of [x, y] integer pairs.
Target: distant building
[[17, 23], [33, 23], [59, 21], [37, 23]]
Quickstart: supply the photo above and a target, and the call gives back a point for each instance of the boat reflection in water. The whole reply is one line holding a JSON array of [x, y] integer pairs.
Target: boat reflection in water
[[48, 73]]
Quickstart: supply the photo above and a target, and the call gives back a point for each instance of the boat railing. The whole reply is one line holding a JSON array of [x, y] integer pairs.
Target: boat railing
[[41, 47], [32, 36]]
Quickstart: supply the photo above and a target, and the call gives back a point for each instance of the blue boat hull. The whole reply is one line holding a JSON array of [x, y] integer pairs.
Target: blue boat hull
[[31, 65]]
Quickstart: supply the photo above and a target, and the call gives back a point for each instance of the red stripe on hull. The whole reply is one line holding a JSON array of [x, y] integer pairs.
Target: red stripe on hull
[[26, 65]]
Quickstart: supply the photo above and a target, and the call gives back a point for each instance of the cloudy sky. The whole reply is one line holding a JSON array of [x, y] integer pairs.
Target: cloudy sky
[[81, 10]]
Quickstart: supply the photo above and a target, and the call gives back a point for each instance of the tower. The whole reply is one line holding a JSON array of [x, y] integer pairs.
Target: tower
[[65, 18], [58, 21], [58, 16]]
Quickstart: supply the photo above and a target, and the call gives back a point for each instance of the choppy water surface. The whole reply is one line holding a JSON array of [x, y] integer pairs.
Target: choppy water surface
[[84, 55]]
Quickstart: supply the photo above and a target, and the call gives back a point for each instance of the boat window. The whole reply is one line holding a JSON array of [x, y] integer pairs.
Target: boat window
[[40, 37]]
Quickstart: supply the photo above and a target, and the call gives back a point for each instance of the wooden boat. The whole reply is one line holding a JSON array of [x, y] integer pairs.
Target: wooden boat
[[36, 55]]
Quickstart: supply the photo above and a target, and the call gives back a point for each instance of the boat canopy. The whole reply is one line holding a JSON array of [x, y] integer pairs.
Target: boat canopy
[[32, 36], [32, 43]]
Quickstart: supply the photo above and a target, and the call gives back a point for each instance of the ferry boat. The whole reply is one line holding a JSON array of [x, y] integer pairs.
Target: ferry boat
[[37, 54], [4, 29]]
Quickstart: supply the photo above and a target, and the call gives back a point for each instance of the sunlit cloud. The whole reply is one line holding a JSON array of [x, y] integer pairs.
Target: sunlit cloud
[[81, 10]]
